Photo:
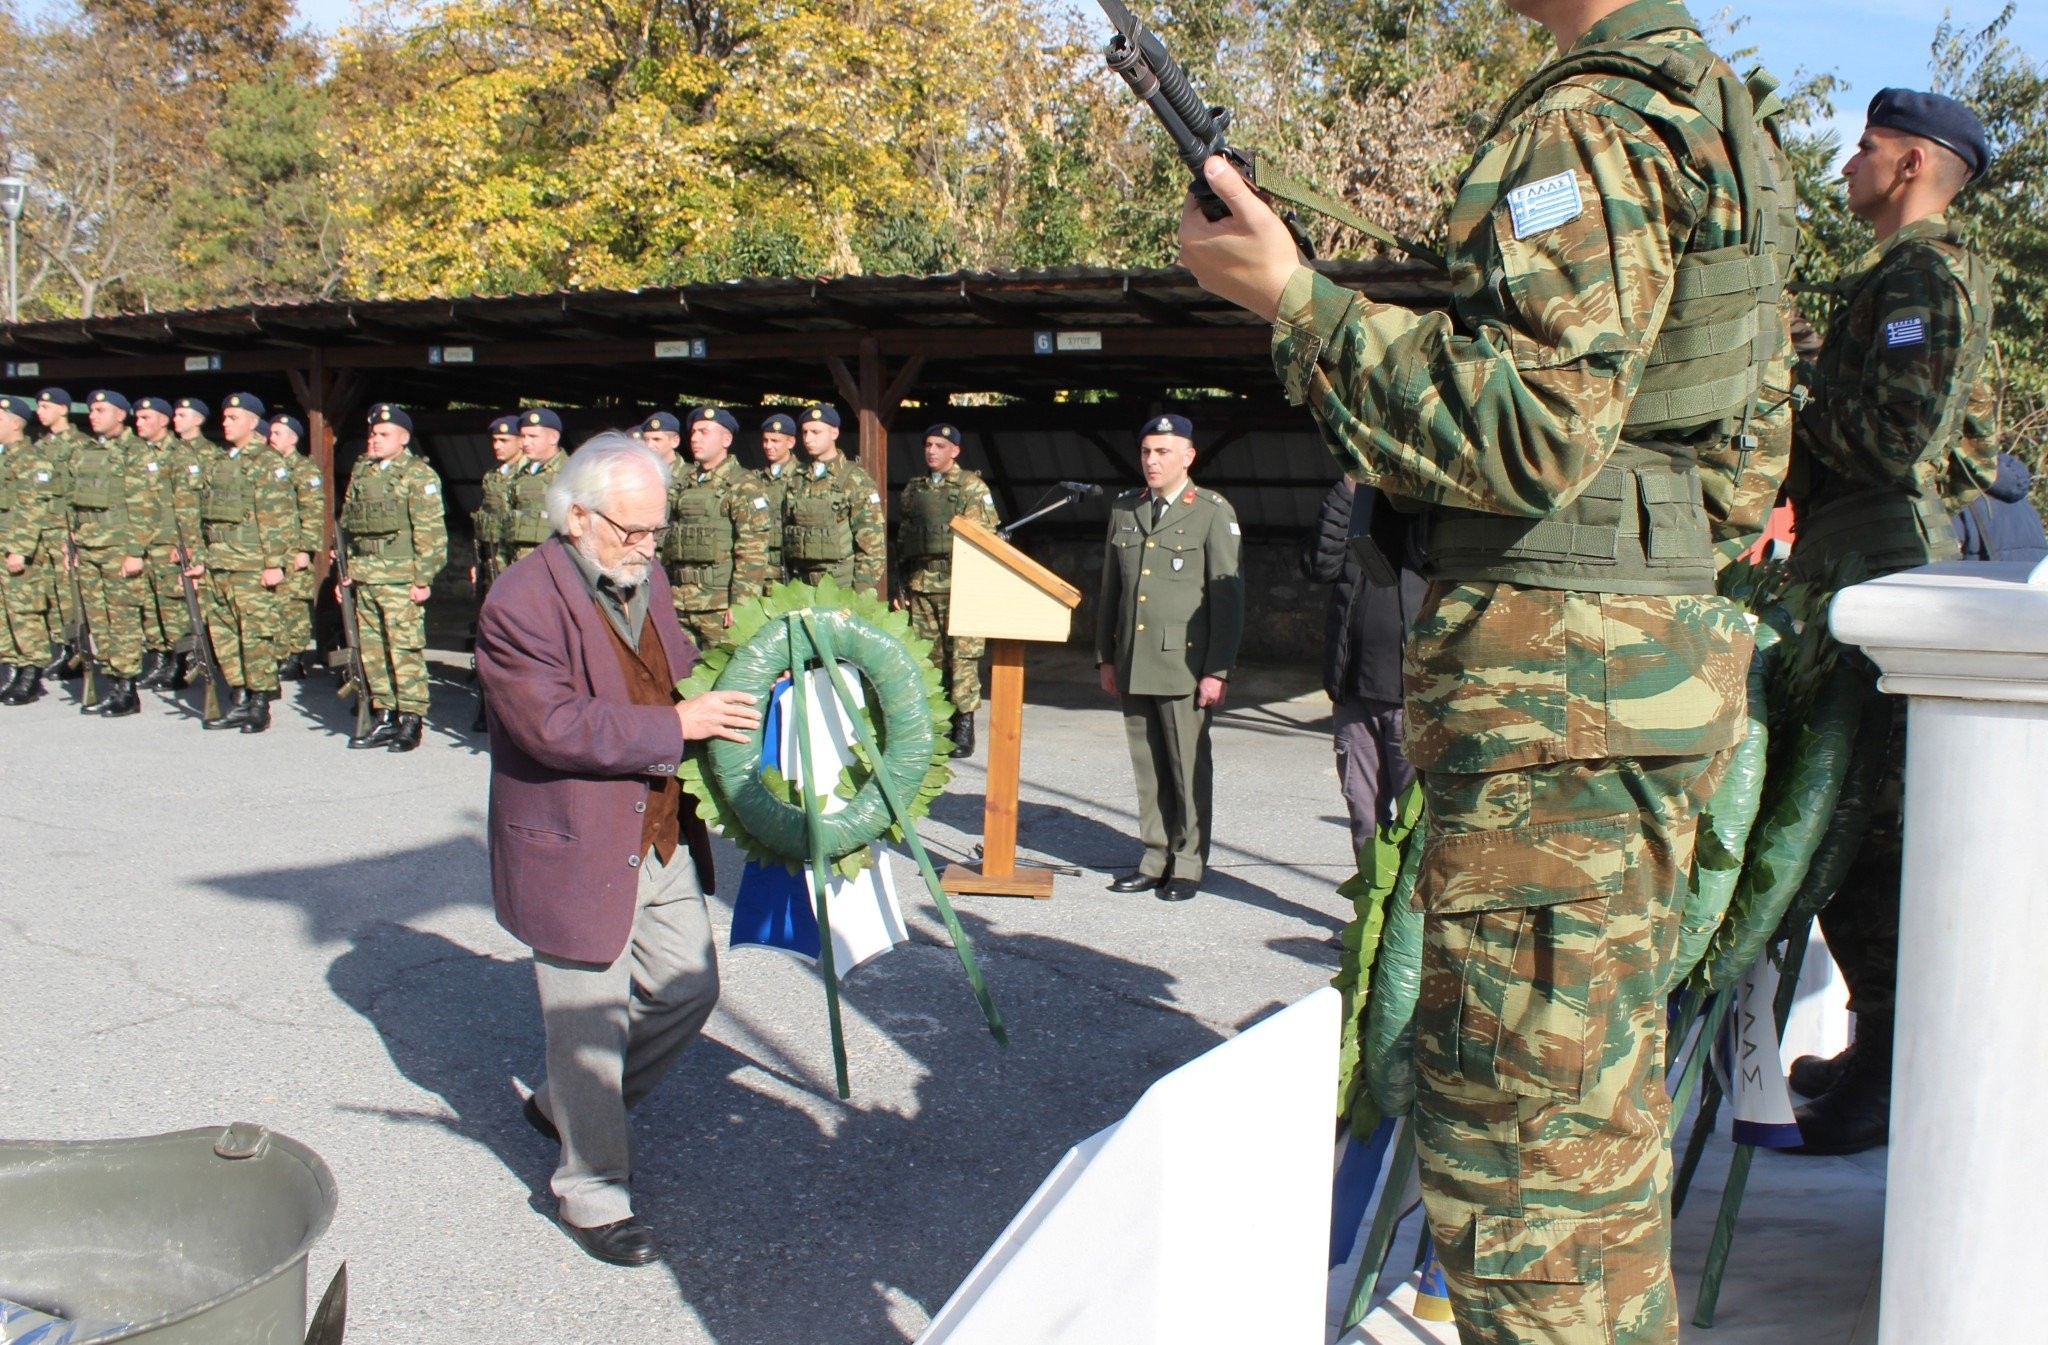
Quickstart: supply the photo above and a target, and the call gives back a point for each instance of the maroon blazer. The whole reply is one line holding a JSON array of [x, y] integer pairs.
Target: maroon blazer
[[571, 758]]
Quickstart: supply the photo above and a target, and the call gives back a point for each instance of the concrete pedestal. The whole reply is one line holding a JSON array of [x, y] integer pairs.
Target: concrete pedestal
[[1969, 644]]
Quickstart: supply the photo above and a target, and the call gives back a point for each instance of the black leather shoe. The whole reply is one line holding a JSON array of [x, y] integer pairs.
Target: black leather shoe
[[257, 717], [123, 701], [109, 693], [27, 686], [1813, 1075], [1178, 889], [625, 1243], [1856, 1114], [962, 736], [382, 727], [151, 662], [292, 668], [60, 661], [1134, 882], [405, 734], [232, 715], [538, 1119]]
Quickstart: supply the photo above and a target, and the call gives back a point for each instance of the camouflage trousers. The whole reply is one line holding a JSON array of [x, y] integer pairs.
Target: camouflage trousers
[[957, 659], [1553, 897], [707, 629], [242, 618], [394, 630], [33, 611], [1861, 922], [113, 604], [296, 600], [22, 634], [811, 571], [164, 619]]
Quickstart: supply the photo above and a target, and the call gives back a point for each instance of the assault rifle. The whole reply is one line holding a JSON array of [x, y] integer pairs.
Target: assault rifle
[[81, 620], [202, 643], [358, 681], [1197, 129]]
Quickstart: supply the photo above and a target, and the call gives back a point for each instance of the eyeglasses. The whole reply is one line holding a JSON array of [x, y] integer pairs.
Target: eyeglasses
[[633, 536]]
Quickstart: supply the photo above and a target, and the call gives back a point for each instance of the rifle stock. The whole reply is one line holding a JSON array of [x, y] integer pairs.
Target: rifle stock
[[351, 629]]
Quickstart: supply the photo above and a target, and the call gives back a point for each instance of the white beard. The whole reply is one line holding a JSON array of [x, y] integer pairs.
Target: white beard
[[630, 573]]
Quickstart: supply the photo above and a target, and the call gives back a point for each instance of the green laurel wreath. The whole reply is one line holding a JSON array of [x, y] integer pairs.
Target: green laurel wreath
[[758, 625]]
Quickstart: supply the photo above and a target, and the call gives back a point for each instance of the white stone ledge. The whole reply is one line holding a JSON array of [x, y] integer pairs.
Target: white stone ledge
[[1959, 630]]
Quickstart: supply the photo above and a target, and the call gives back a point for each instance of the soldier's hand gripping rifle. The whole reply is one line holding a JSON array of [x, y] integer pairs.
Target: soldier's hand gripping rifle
[[1197, 129], [202, 643], [352, 631], [81, 621]]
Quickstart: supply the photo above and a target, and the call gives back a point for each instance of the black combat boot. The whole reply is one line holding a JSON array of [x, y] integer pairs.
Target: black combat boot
[[9, 675], [179, 674], [109, 690], [406, 733], [27, 686], [60, 660], [380, 732], [231, 717], [292, 669], [963, 735], [153, 667], [1855, 1114], [124, 702], [258, 717], [1813, 1075]]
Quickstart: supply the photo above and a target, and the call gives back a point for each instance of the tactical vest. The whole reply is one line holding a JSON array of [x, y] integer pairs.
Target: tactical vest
[[1641, 525], [927, 532], [527, 523], [375, 513], [227, 503], [96, 483], [816, 534]]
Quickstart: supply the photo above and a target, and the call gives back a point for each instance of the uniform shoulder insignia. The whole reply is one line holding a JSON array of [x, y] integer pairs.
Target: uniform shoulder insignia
[[1910, 331], [283, 473], [431, 488], [760, 502], [874, 497], [1537, 206], [315, 482]]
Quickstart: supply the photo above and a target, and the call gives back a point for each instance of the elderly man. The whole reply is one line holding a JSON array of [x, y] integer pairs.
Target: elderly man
[[598, 860]]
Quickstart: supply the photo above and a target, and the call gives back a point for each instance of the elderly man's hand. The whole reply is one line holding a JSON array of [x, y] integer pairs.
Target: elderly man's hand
[[1248, 256], [718, 714]]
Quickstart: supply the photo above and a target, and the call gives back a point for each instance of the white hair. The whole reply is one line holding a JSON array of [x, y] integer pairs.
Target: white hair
[[596, 472]]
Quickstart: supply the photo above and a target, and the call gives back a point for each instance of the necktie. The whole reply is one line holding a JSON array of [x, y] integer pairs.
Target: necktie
[[1158, 509]]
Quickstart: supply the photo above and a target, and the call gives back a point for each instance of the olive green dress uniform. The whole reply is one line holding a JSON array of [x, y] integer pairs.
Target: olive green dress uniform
[[716, 550], [114, 517], [164, 619], [833, 522], [924, 560], [309, 494], [248, 522], [1170, 612], [397, 526], [1620, 241], [35, 530], [526, 516], [775, 479]]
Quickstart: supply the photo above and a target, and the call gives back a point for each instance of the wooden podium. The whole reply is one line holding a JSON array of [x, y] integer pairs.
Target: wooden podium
[[1005, 597]]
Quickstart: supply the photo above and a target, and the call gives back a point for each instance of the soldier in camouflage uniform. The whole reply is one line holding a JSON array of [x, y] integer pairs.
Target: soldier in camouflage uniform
[[663, 433], [36, 541], [924, 561], [164, 621], [397, 530], [833, 521], [526, 520], [248, 514], [61, 441], [295, 635], [716, 550], [113, 512], [778, 451], [21, 646], [487, 528], [1886, 451], [1574, 683], [188, 426]]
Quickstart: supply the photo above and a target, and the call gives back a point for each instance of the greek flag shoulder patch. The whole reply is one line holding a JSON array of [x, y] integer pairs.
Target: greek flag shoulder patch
[[1537, 206], [1905, 332]]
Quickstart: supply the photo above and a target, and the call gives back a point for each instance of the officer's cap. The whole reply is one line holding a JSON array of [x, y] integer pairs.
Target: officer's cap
[[542, 417], [291, 423], [245, 401], [57, 395], [109, 397], [779, 424], [194, 404], [717, 415], [828, 415], [1175, 425], [156, 404], [950, 433], [384, 413], [662, 422], [505, 425], [1937, 117], [19, 406]]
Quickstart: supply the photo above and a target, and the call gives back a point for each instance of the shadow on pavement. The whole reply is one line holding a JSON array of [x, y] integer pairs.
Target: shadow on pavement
[[337, 900]]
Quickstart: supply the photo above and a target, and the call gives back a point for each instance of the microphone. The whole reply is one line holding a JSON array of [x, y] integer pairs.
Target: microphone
[[1080, 488]]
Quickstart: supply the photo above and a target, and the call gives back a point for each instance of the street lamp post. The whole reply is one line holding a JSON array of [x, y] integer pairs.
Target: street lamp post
[[13, 192]]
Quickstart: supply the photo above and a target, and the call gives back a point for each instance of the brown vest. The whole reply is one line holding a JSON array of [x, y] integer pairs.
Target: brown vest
[[649, 682]]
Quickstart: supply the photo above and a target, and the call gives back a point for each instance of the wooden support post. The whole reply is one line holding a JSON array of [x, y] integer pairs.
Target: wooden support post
[[998, 874], [874, 433], [312, 389]]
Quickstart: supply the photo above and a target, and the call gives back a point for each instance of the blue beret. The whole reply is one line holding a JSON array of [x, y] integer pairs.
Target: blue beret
[[20, 406], [1937, 117], [194, 404], [108, 397], [779, 424], [262, 429], [827, 414], [57, 395], [505, 425], [384, 413], [1179, 425], [156, 404], [950, 433], [717, 415], [245, 401], [542, 417], [663, 421], [291, 423]]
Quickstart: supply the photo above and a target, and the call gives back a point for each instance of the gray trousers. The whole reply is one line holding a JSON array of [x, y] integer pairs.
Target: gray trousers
[[1371, 768], [614, 1031], [1169, 741]]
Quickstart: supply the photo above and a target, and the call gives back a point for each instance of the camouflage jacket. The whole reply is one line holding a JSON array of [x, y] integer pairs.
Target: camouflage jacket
[[113, 508], [775, 479], [11, 456], [397, 521], [1171, 607], [248, 510], [526, 523], [924, 537], [1512, 403], [716, 551], [163, 465], [42, 504], [309, 493], [832, 512], [193, 456], [487, 523]]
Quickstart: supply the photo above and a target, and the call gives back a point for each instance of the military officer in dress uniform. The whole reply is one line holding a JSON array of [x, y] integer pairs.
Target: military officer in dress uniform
[[833, 521], [248, 512], [716, 550], [21, 641], [1168, 622], [397, 543], [113, 521], [526, 521], [164, 619], [778, 449], [924, 564], [295, 635]]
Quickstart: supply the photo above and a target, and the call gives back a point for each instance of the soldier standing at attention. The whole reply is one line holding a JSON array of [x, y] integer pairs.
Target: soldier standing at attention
[[663, 433], [295, 636], [1877, 449], [188, 425], [832, 516], [249, 528], [1168, 621], [21, 639], [113, 518], [60, 443], [526, 522], [778, 448], [164, 620], [924, 562], [1574, 682], [716, 551], [397, 542], [487, 526], [36, 543]]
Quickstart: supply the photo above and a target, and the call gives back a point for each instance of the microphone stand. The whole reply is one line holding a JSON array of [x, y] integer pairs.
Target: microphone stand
[[1066, 497]]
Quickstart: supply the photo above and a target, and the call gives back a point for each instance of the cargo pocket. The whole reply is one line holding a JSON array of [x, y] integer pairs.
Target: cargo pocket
[[1540, 1279], [1515, 980]]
